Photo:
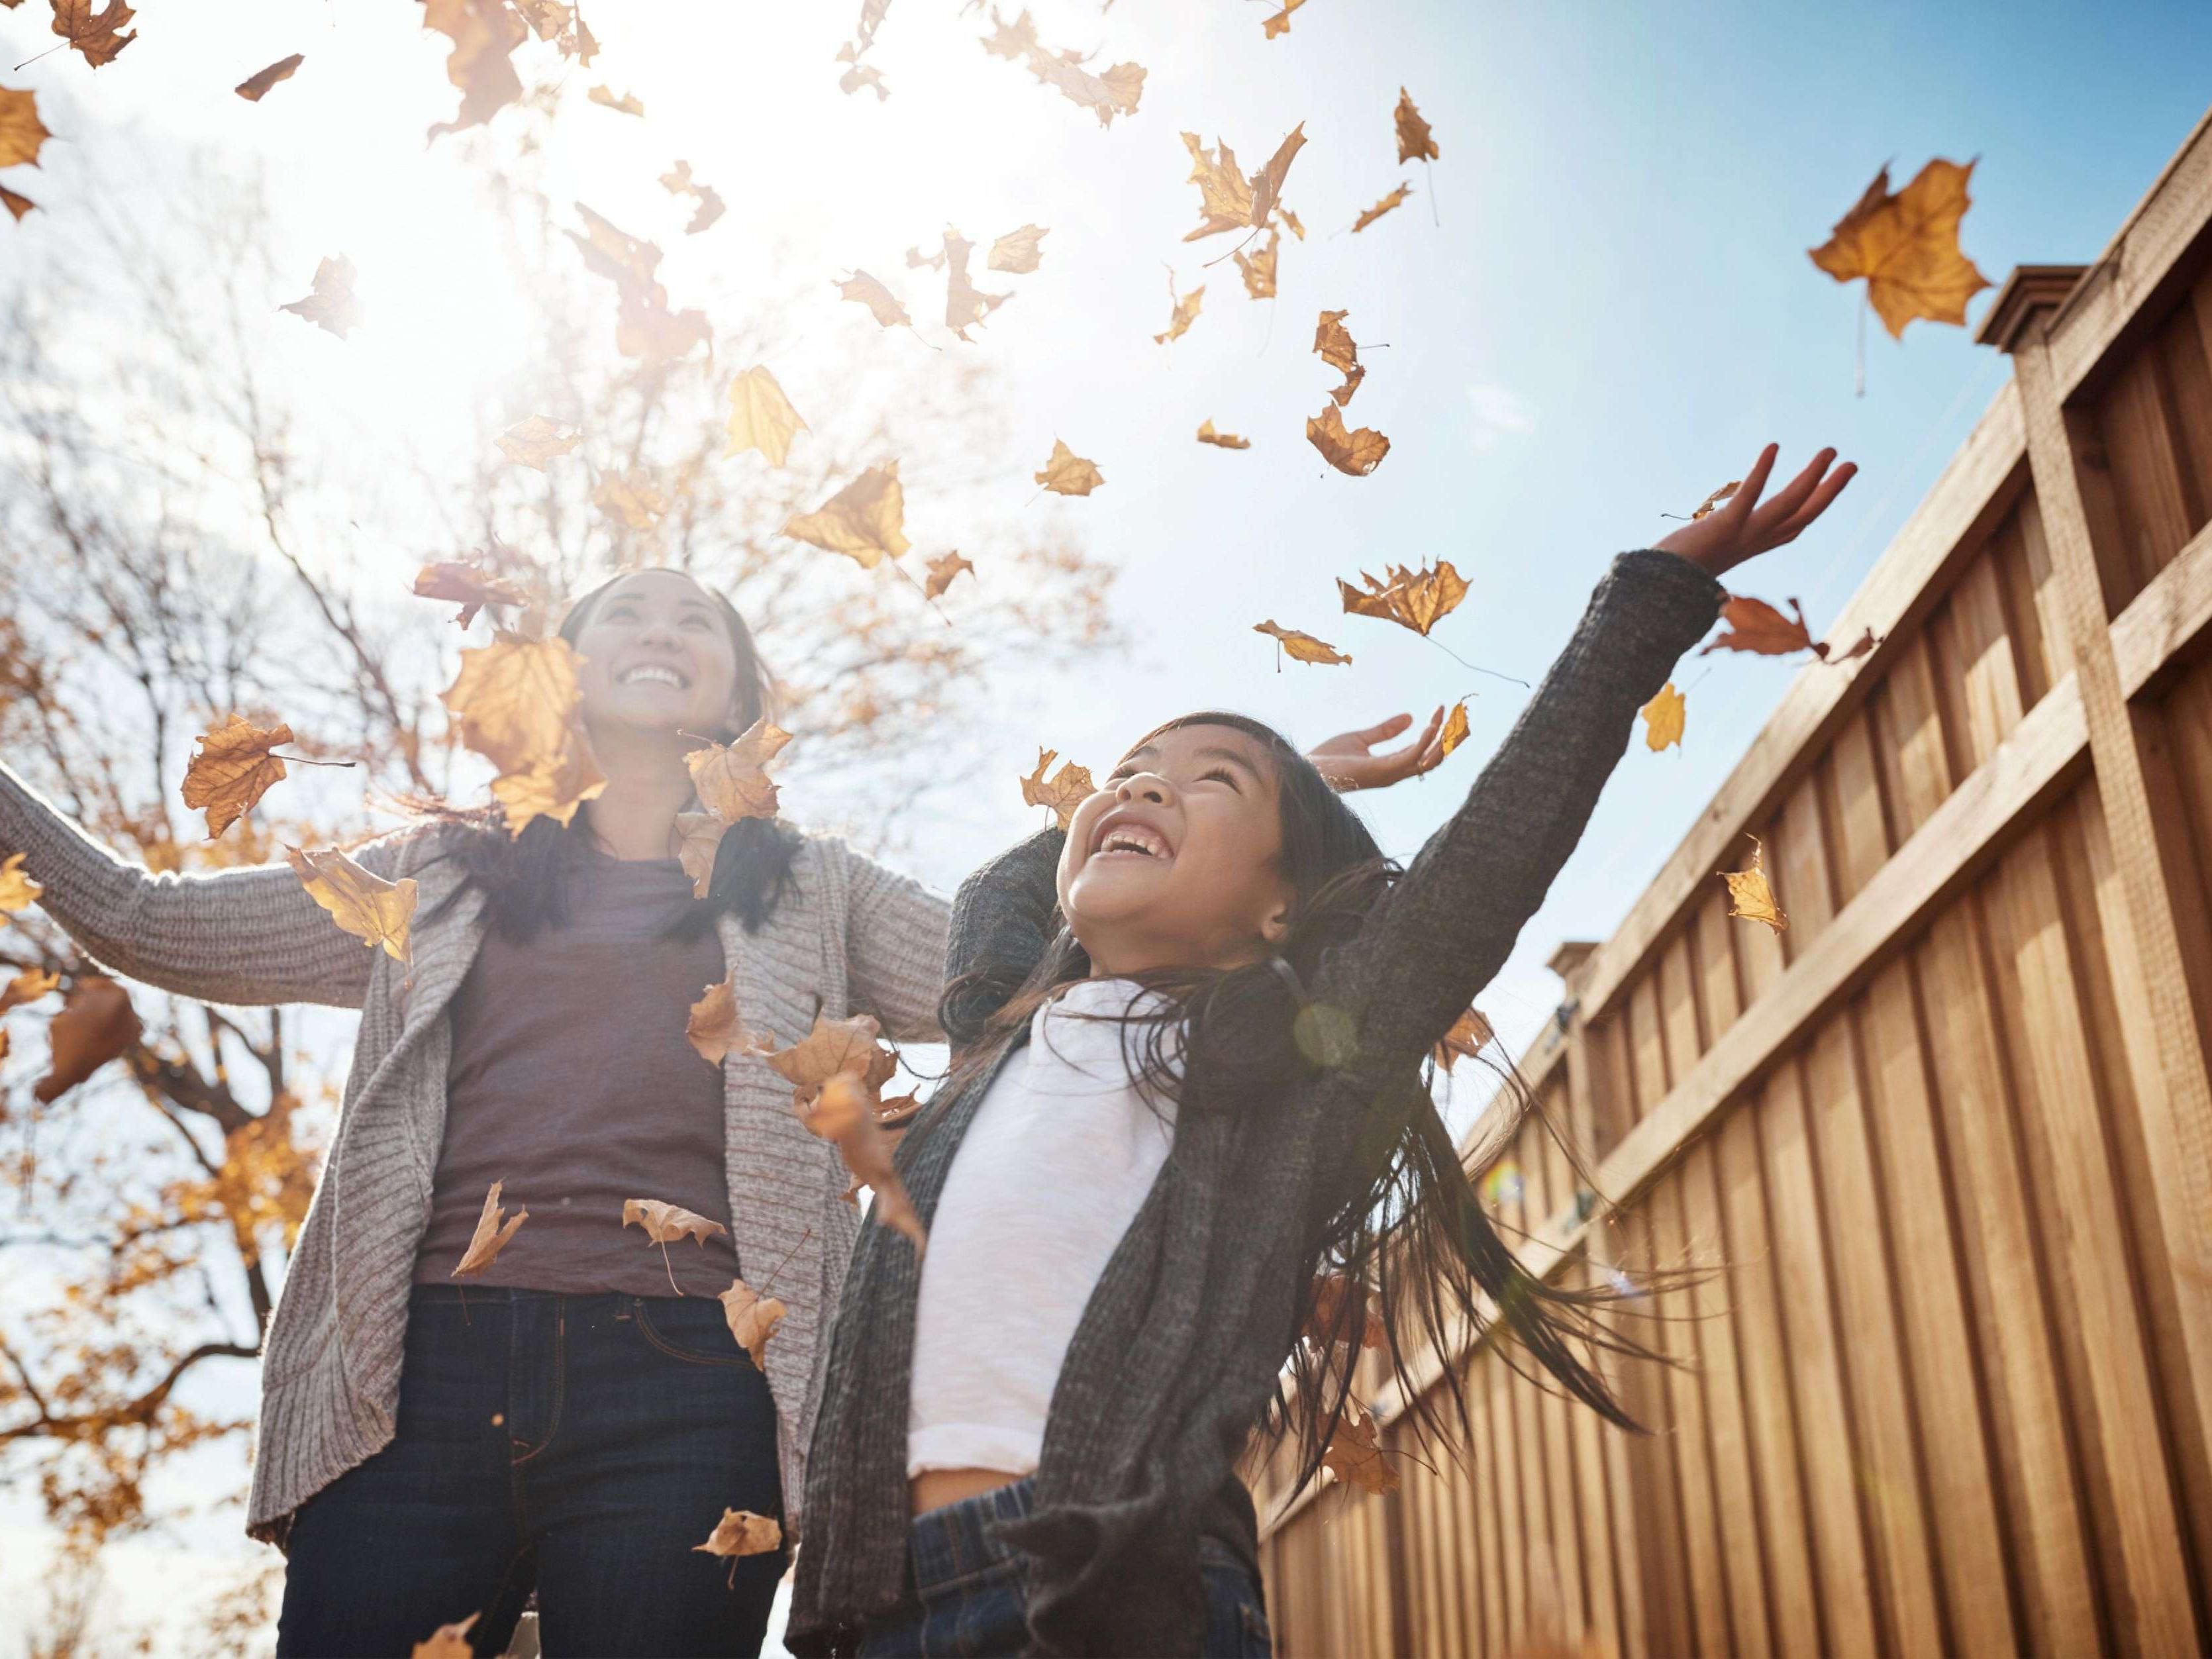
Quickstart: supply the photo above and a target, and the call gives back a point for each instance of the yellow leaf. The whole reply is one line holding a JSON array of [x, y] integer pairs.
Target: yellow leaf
[[1186, 311], [1392, 200], [17, 890], [942, 569], [633, 496], [752, 1318], [1018, 250], [233, 770], [1259, 268], [1281, 22], [1354, 1456], [331, 304], [740, 1532], [1357, 452], [517, 700], [490, 1237], [625, 105], [448, 1642], [761, 416], [866, 520], [258, 83], [1749, 896], [1067, 473], [1291, 220], [1906, 247], [883, 304], [96, 1024], [551, 787], [1415, 143], [1664, 717], [1454, 729], [667, 1224], [1116, 92], [1206, 435], [1069, 787], [732, 779], [533, 442], [373, 910], [1302, 647], [1418, 599]]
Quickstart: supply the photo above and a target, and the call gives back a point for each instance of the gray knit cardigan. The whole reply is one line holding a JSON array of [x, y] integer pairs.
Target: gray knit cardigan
[[848, 935], [1180, 1345]]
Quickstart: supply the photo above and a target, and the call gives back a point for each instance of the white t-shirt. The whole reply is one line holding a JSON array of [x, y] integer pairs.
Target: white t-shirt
[[1053, 1167]]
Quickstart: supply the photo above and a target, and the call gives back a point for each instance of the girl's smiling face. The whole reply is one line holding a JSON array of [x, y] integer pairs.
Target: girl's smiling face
[[1177, 862]]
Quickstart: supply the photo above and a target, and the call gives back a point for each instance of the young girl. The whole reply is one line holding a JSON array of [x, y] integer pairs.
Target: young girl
[[1165, 1120]]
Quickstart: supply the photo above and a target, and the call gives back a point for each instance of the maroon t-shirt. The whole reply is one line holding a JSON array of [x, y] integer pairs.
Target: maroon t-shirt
[[572, 1081]]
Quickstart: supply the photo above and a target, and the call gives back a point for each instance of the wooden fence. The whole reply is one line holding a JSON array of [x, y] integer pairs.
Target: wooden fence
[[1948, 1141]]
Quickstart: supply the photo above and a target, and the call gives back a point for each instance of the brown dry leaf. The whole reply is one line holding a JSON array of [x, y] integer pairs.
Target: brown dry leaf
[[92, 33], [28, 987], [844, 1114], [732, 779], [516, 699], [1224, 196], [647, 330], [466, 585], [740, 1532], [373, 910], [18, 205], [866, 520], [1334, 345], [1415, 141], [233, 770], [1355, 1458], [533, 442], [916, 260], [1418, 599], [1749, 896], [484, 34], [255, 85], [863, 74], [942, 570], [1291, 218], [1069, 787], [1664, 717], [1470, 1033], [1332, 1293], [490, 1236], [668, 1223], [1394, 198], [96, 1024], [448, 1642], [1704, 507], [833, 1045], [1067, 473], [1206, 435], [965, 305], [1267, 182], [332, 304], [883, 304], [17, 890], [678, 181], [1116, 92], [752, 1318], [552, 787], [1018, 250], [1866, 640], [1757, 626], [701, 839], [1302, 647], [1185, 314], [1259, 268], [627, 104], [21, 132], [1357, 452], [1906, 247], [623, 259], [634, 497], [1454, 729], [548, 19], [714, 1028], [761, 417], [1281, 22]]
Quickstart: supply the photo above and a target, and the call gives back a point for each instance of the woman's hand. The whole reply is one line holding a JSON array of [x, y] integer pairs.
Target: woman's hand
[[1742, 528], [1349, 761]]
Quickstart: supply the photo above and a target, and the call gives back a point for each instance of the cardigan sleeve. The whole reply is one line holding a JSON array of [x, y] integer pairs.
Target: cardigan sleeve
[[895, 931], [249, 937], [1443, 932]]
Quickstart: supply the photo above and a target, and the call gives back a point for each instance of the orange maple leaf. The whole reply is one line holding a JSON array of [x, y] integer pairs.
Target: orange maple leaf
[[1750, 897], [1757, 626], [1664, 717], [1418, 599], [90, 32], [373, 910], [1333, 344], [1206, 435], [233, 770], [1185, 313], [713, 1026], [1259, 268], [1906, 247], [732, 779], [1415, 141], [21, 132], [1454, 731], [942, 570], [1069, 787], [1354, 1457]]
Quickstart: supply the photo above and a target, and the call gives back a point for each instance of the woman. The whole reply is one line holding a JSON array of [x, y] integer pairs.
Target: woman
[[430, 1449]]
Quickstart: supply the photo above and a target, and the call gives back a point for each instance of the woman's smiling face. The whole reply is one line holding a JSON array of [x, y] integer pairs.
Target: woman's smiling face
[[1175, 861], [658, 655]]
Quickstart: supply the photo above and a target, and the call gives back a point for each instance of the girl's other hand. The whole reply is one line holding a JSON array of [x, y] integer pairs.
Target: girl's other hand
[[1349, 761], [1742, 528]]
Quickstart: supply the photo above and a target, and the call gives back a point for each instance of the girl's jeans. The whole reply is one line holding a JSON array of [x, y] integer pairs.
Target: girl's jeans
[[966, 1589], [577, 1444]]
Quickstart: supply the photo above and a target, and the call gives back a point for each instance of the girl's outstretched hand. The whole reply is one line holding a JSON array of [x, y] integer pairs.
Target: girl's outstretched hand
[[1349, 761], [1744, 527]]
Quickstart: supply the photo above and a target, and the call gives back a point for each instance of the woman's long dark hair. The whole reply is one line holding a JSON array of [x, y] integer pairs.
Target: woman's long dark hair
[[1404, 1222], [525, 877]]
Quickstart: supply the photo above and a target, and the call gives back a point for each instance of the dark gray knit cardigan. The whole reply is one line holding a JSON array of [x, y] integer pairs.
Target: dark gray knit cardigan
[[1180, 1345]]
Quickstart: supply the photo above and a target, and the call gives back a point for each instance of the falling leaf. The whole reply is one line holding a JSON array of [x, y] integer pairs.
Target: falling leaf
[[1116, 92], [753, 1318], [634, 497], [517, 700], [1334, 343], [491, 1236], [863, 74], [832, 1047], [1415, 144], [1757, 626], [844, 1115], [1906, 247], [1018, 250], [1664, 717], [942, 570], [644, 326], [1186, 311], [1357, 452], [701, 837], [233, 770], [1206, 435], [1224, 196], [483, 33], [448, 1642], [1291, 220], [625, 260], [646, 329], [1332, 1293], [1259, 268], [552, 787], [916, 260], [96, 1024], [533, 442], [1455, 732], [1067, 473], [873, 13], [17, 890], [332, 304], [548, 19], [1749, 896], [1267, 183], [1069, 787], [714, 1028], [865, 520], [1281, 22], [18, 205], [1469, 1034], [1302, 647], [373, 910], [883, 304], [625, 105], [28, 987], [1705, 509], [1392, 200], [731, 779], [1354, 1457], [761, 417], [1418, 599], [93, 33], [254, 86], [1865, 641], [740, 1532], [678, 181], [965, 305], [470, 587], [668, 1223]]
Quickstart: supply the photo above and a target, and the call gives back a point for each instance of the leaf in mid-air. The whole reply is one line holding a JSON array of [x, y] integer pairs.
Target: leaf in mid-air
[[331, 304], [1750, 897], [1206, 435], [1372, 214], [534, 442], [1354, 1457], [942, 569], [883, 304], [1067, 473], [761, 416], [258, 83], [96, 1024], [1018, 250], [1067, 789], [1906, 247], [484, 34], [740, 1532], [752, 1320], [1664, 717], [1757, 626], [1357, 452], [1304, 647], [373, 910], [627, 104], [732, 780], [1415, 141], [866, 520], [233, 770], [1418, 599], [93, 33]]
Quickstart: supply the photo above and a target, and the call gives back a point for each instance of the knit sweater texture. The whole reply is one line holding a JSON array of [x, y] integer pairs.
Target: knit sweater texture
[[1181, 1343], [847, 936]]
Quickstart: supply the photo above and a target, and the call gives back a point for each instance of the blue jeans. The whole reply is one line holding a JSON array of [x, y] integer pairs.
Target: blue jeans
[[580, 1445], [967, 1591]]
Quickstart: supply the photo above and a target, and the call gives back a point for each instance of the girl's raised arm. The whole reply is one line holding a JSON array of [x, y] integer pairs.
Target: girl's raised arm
[[1003, 920], [248, 938]]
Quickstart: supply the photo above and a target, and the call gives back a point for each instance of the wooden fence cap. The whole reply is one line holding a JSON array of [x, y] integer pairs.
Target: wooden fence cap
[[2029, 289]]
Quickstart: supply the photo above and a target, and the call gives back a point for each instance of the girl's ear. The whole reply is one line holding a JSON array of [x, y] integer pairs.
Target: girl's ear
[[1277, 927]]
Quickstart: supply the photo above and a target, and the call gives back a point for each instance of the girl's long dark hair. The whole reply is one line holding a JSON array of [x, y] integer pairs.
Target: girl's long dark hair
[[1403, 1222], [525, 877]]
